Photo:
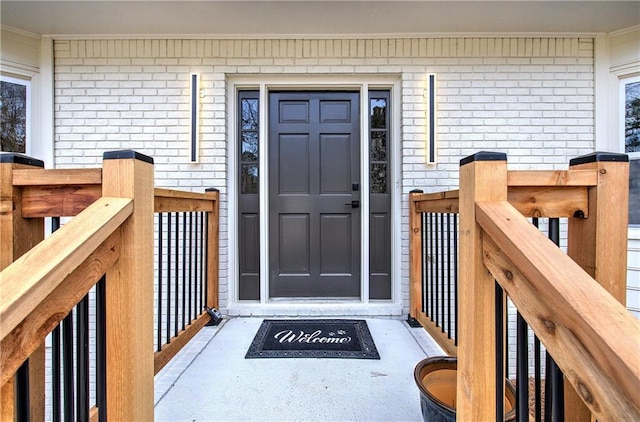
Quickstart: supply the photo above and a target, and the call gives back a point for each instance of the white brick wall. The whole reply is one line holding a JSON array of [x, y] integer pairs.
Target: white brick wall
[[532, 98]]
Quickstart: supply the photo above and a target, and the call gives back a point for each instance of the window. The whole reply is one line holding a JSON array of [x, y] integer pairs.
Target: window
[[630, 95], [248, 143], [379, 131], [632, 115], [14, 114]]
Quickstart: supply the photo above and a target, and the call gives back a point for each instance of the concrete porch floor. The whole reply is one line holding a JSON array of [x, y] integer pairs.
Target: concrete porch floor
[[210, 380]]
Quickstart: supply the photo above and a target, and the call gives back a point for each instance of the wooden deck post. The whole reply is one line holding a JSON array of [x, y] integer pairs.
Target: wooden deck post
[[213, 248], [129, 292], [17, 236], [415, 259], [483, 177], [598, 243]]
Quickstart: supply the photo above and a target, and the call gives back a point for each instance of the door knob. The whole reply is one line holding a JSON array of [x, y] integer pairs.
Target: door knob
[[354, 204]]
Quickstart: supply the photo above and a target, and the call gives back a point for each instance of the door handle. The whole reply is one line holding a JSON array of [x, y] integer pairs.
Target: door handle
[[354, 204]]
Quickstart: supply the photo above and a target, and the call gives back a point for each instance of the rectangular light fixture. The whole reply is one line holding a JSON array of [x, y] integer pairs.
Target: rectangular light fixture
[[430, 146], [195, 117]]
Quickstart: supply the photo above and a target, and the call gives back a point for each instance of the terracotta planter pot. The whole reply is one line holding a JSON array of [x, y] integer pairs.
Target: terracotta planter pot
[[436, 377]]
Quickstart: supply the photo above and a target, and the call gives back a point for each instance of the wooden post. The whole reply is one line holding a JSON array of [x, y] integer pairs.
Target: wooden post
[[17, 236], [483, 177], [213, 248], [129, 292], [415, 260], [599, 243]]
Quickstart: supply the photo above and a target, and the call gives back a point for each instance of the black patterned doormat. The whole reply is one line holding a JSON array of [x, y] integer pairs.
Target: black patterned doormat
[[313, 338]]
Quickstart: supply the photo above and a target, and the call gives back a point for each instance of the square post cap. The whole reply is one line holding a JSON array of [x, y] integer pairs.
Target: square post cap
[[126, 154], [484, 156], [18, 158]]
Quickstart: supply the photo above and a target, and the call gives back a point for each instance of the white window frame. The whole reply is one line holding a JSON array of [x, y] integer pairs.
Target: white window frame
[[624, 81], [26, 82]]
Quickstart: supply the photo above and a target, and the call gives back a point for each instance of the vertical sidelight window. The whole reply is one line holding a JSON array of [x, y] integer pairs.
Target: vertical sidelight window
[[248, 131], [379, 195], [379, 135], [249, 127]]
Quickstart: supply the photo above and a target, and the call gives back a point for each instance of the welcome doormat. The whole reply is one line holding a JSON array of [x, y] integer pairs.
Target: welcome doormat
[[313, 338]]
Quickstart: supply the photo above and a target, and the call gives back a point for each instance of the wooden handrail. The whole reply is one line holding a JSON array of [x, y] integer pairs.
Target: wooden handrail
[[57, 177], [583, 178], [592, 337], [169, 200], [546, 193], [27, 281]]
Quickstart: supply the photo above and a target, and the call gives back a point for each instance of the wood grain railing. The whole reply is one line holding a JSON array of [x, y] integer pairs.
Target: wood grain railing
[[573, 301], [111, 236], [187, 203]]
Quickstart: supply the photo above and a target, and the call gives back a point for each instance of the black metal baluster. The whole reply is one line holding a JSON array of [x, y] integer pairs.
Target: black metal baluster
[[184, 269], [168, 277], [67, 365], [189, 279], [56, 414], [435, 258], [23, 397], [206, 258], [82, 357], [522, 370], [499, 353], [455, 274], [423, 258], [202, 262], [548, 390], [101, 349], [450, 304], [191, 268], [159, 304], [554, 391], [177, 276], [555, 374], [196, 267], [538, 378], [506, 337], [431, 268], [441, 256], [56, 352]]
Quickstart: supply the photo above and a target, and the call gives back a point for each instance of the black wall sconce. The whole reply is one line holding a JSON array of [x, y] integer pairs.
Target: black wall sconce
[[195, 117]]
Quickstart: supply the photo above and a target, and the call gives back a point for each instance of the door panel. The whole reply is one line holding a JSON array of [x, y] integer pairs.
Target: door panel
[[335, 164], [293, 178], [314, 172], [335, 244], [294, 244]]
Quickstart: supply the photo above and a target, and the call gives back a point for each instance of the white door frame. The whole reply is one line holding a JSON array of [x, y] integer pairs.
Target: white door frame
[[266, 305]]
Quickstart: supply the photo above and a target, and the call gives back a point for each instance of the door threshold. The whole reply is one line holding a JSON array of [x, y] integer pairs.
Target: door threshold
[[307, 300], [314, 309]]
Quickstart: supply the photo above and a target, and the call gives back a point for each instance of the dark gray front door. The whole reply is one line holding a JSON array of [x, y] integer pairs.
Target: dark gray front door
[[314, 194]]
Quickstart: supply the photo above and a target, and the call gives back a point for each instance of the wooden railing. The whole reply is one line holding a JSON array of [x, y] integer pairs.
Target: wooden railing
[[574, 302], [168, 202], [111, 236]]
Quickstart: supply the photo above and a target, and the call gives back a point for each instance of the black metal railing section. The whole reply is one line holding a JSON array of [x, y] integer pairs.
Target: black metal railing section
[[440, 270], [77, 360], [181, 272], [539, 393]]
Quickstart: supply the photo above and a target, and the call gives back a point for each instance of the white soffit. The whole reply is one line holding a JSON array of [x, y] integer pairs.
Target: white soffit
[[246, 18]]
